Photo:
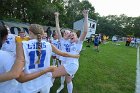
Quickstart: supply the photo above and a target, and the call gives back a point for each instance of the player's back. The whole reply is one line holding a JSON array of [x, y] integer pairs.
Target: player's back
[[31, 57], [6, 63]]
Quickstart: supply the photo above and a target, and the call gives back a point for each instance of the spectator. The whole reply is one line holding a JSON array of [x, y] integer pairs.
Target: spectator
[[49, 32], [128, 41], [96, 43], [22, 37]]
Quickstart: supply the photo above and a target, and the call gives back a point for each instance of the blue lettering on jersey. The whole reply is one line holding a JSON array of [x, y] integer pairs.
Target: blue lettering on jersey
[[59, 45], [31, 46], [67, 47], [43, 45], [55, 44], [32, 59], [8, 40], [34, 45]]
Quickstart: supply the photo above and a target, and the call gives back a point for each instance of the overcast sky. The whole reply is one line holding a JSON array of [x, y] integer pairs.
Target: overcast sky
[[117, 7]]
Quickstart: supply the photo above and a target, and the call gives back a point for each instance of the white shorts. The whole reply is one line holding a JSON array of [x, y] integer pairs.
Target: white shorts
[[71, 68], [46, 89], [9, 86], [63, 62], [33, 88]]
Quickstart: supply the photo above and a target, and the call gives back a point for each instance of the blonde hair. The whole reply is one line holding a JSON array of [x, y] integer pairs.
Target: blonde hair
[[37, 30]]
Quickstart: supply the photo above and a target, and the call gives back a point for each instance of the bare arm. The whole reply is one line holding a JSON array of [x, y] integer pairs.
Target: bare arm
[[17, 67], [57, 24], [57, 51], [84, 33], [26, 77]]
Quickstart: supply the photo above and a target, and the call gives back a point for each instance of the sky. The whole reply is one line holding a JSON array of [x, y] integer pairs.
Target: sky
[[130, 8]]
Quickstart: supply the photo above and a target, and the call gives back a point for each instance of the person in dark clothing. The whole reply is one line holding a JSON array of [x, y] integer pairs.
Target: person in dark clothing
[[96, 43], [128, 41], [88, 42], [49, 32]]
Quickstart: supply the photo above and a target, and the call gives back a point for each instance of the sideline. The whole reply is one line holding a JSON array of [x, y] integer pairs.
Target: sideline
[[137, 90]]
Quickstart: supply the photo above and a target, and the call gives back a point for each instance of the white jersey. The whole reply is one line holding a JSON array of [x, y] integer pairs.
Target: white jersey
[[75, 48], [5, 65], [65, 47], [56, 43], [31, 56], [10, 44]]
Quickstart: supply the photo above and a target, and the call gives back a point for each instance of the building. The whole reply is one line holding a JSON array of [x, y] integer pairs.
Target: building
[[78, 25], [15, 27]]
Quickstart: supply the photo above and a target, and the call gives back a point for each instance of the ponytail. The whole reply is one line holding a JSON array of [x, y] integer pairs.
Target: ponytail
[[38, 31], [39, 46]]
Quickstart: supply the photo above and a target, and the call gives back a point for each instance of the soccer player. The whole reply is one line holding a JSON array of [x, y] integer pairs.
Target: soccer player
[[56, 43], [64, 43], [73, 46]]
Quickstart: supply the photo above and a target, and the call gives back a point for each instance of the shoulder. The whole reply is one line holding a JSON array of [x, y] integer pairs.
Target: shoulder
[[27, 38], [12, 35], [61, 39]]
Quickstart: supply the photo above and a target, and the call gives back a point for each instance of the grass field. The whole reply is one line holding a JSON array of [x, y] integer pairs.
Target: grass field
[[112, 70]]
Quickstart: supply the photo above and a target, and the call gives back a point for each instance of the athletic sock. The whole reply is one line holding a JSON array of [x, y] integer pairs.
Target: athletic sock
[[62, 80], [62, 84], [70, 87]]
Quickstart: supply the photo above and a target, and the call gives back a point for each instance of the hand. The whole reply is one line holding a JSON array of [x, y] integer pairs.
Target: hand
[[85, 13], [77, 56], [56, 14], [50, 69]]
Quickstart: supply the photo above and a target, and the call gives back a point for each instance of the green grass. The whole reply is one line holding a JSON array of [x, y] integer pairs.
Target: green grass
[[112, 70]]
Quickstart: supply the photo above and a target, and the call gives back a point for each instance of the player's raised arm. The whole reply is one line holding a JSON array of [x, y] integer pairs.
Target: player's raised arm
[[57, 24], [84, 33]]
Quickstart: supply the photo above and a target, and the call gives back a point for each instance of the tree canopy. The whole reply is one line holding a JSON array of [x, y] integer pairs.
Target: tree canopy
[[42, 12]]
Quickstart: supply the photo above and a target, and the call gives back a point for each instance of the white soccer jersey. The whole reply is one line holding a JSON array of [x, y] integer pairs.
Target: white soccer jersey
[[5, 65], [75, 48], [65, 47], [10, 44], [72, 64], [55, 43], [31, 56], [59, 47]]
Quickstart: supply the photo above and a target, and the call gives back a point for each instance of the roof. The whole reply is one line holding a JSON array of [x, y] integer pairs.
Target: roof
[[88, 19]]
